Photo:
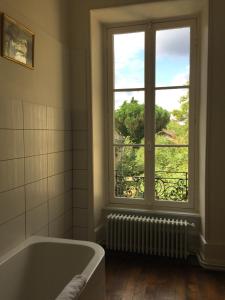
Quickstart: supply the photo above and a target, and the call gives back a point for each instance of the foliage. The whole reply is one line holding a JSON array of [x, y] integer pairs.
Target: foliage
[[162, 118], [181, 114], [171, 129], [129, 120], [130, 161]]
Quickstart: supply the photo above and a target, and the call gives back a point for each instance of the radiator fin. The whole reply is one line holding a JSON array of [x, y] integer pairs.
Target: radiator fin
[[147, 235]]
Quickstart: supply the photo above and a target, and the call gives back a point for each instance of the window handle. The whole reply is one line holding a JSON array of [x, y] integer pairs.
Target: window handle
[[149, 146]]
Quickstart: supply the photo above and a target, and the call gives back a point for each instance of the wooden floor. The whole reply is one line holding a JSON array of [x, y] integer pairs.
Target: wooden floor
[[146, 278]]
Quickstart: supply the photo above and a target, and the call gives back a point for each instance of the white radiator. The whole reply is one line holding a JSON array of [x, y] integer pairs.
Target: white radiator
[[147, 235]]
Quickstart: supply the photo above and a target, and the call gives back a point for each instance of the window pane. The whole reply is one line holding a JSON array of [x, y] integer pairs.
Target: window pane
[[171, 173], [172, 116], [129, 60], [172, 57], [129, 172], [128, 117]]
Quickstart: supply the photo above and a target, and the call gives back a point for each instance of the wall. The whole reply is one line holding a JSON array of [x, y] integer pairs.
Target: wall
[[203, 114], [35, 129], [211, 166], [88, 40], [213, 241]]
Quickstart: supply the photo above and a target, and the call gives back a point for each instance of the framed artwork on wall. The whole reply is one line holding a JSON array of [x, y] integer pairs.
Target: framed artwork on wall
[[17, 42]]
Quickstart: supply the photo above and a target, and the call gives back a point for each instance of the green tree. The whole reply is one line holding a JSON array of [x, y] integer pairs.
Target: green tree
[[129, 120], [181, 114], [129, 123], [174, 159], [162, 118]]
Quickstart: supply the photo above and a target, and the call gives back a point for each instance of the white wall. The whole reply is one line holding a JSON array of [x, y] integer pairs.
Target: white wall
[[213, 242], [35, 129], [212, 204]]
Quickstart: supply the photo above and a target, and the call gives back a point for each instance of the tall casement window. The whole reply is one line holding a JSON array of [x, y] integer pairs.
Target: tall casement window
[[152, 106]]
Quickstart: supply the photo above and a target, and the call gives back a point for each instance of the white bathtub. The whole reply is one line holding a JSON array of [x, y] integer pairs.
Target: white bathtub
[[40, 268]]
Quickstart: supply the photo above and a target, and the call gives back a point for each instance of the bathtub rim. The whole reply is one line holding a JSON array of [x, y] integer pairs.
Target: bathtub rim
[[92, 264]]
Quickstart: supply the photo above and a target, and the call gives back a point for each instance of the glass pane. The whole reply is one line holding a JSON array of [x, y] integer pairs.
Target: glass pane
[[171, 173], [129, 56], [172, 57], [129, 117], [172, 117], [129, 172]]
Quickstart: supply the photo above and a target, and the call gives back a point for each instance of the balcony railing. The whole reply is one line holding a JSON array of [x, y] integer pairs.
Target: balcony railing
[[171, 186]]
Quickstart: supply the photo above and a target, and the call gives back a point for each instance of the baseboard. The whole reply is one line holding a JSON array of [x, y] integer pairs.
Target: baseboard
[[211, 256]]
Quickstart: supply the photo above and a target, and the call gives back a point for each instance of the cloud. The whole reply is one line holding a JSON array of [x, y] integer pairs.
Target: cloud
[[169, 99], [181, 78], [129, 59], [173, 42], [120, 97]]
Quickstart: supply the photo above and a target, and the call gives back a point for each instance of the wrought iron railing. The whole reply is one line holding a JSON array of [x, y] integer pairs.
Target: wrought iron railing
[[171, 186]]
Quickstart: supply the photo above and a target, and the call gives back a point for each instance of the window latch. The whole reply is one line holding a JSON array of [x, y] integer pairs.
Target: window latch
[[149, 146]]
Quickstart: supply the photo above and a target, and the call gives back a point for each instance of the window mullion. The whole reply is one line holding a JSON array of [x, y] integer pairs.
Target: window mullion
[[149, 114]]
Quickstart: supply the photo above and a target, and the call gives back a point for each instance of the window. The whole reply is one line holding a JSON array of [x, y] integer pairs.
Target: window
[[151, 92]]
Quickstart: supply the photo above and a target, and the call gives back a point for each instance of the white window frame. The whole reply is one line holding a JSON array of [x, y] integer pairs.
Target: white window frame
[[150, 28]]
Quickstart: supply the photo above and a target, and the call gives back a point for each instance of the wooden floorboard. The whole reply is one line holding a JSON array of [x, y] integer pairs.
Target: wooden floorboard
[[135, 277]]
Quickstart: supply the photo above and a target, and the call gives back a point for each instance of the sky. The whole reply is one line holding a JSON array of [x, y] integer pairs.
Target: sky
[[172, 65]]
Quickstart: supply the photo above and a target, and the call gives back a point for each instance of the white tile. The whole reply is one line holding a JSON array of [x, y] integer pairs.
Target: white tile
[[80, 233], [35, 142], [43, 231], [36, 219], [80, 139], [50, 117], [55, 185], [68, 160], [68, 234], [80, 217], [59, 162], [55, 163], [56, 227], [68, 201], [35, 168], [11, 142], [55, 141], [11, 174], [80, 160], [36, 193], [12, 204], [68, 119], [34, 116], [68, 179], [68, 220], [68, 140], [80, 179], [80, 198], [11, 114], [60, 205], [12, 233], [56, 207], [55, 118]]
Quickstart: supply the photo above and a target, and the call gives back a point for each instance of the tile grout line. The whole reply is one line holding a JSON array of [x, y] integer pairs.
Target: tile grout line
[[65, 151], [48, 206], [36, 155], [72, 137], [25, 196]]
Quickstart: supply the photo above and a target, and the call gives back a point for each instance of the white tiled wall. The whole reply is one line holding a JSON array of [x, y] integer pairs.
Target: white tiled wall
[[35, 172], [80, 176]]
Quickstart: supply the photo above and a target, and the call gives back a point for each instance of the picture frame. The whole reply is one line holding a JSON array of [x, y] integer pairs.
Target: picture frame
[[17, 42]]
